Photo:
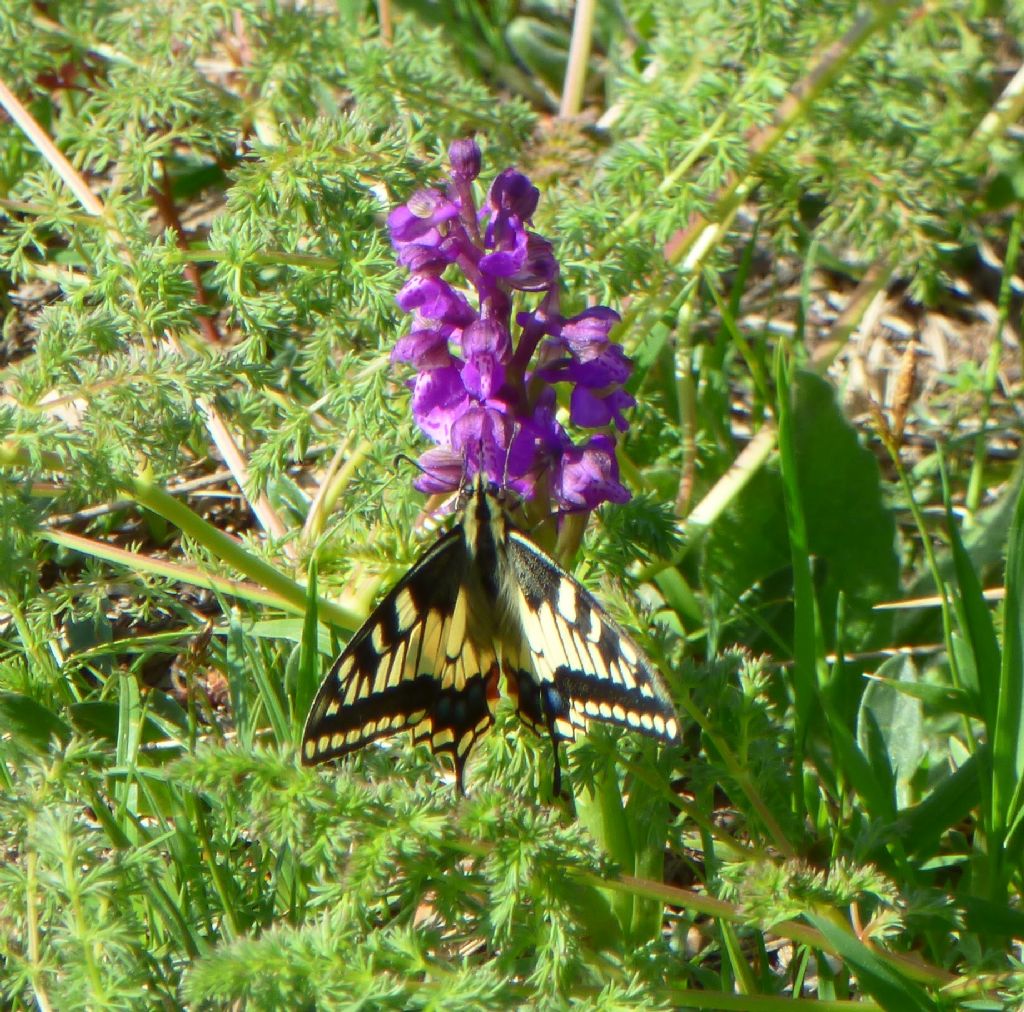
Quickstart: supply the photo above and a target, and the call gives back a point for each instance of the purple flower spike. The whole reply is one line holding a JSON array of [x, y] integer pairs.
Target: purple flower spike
[[478, 393]]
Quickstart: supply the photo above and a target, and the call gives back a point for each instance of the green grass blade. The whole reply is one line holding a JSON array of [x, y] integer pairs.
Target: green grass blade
[[806, 637], [976, 621], [877, 978], [307, 675], [1008, 740], [923, 825]]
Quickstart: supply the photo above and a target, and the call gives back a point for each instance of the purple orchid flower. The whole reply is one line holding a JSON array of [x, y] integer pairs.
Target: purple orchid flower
[[484, 392]]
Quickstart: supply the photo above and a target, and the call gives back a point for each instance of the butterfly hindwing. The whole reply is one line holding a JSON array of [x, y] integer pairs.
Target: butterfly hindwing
[[412, 665], [584, 667]]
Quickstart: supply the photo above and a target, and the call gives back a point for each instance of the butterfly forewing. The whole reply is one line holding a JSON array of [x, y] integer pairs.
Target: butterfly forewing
[[411, 666]]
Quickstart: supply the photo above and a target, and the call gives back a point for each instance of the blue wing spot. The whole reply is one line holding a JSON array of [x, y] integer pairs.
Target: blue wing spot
[[554, 701]]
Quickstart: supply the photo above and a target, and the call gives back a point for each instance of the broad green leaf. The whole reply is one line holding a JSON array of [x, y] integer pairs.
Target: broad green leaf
[[872, 744], [850, 535], [898, 717], [103, 719], [32, 722]]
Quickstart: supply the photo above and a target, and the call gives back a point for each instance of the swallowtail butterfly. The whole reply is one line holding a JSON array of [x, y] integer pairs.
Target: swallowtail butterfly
[[481, 600]]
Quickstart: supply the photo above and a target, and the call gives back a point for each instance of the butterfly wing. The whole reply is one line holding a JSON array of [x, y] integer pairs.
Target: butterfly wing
[[582, 665], [414, 664]]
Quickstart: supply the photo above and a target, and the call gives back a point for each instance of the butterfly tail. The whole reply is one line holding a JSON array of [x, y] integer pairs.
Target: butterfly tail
[[540, 708]]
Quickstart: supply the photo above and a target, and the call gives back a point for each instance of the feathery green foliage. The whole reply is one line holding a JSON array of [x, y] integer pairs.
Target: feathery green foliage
[[763, 179]]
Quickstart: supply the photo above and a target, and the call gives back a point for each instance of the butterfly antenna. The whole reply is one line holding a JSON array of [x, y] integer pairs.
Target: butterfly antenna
[[423, 470], [406, 459], [516, 426]]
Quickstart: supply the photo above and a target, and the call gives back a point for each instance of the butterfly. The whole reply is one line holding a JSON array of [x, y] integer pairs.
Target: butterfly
[[482, 600]]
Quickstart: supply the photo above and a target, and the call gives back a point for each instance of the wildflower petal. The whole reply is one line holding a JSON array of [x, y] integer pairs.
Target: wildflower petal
[[435, 299], [539, 269], [486, 337], [443, 471], [482, 435], [483, 375], [609, 365], [513, 193], [425, 349], [424, 259], [405, 227], [433, 206], [589, 476], [438, 399], [510, 258], [590, 410], [591, 326]]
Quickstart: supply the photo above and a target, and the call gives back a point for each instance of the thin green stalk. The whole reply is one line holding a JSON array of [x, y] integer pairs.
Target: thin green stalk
[[171, 570], [145, 492], [743, 781], [808, 648], [32, 929], [976, 482], [218, 876], [732, 949], [936, 573], [686, 401], [715, 1000], [335, 483], [129, 736], [42, 660], [82, 928], [624, 227], [1008, 739]]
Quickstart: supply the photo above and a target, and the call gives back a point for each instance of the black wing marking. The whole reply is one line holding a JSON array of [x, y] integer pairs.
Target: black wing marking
[[412, 665], [584, 666]]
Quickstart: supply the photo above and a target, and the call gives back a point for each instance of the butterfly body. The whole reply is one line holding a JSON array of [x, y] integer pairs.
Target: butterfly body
[[482, 600]]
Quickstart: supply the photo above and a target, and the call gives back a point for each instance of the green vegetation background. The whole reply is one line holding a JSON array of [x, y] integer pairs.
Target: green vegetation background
[[203, 291]]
